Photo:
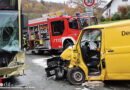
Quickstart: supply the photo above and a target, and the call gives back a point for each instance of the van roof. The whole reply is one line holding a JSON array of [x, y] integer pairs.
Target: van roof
[[119, 23]]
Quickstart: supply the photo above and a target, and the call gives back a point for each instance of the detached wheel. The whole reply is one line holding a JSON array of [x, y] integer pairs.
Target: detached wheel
[[76, 76]]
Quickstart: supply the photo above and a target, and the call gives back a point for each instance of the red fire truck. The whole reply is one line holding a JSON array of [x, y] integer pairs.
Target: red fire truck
[[56, 33]]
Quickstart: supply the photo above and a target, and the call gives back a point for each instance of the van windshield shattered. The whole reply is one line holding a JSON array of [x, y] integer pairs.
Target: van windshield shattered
[[91, 35], [9, 34]]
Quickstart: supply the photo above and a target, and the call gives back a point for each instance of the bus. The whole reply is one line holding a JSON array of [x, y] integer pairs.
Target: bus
[[57, 33], [12, 24]]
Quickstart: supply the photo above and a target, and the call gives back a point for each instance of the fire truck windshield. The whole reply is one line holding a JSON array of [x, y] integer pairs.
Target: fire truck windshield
[[9, 34], [84, 22], [8, 5]]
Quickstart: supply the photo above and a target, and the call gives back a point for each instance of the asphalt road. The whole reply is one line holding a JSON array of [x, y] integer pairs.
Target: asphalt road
[[35, 79]]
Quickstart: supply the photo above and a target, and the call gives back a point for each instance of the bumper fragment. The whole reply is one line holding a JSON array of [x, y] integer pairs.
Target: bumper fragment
[[7, 72]]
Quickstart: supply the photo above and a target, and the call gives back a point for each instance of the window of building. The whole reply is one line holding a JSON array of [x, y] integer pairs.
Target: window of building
[[57, 28]]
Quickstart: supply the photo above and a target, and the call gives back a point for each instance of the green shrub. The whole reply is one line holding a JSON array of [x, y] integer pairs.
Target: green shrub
[[115, 17], [128, 15], [103, 19], [128, 7]]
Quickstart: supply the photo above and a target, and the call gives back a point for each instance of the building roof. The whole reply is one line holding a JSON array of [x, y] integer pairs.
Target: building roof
[[109, 4]]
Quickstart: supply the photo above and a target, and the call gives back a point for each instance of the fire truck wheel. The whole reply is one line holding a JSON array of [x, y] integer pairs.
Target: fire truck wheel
[[41, 52], [67, 45], [54, 52], [75, 76], [33, 52], [38, 52]]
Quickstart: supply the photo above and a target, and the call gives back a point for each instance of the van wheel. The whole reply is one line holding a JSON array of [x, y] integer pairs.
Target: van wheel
[[76, 76]]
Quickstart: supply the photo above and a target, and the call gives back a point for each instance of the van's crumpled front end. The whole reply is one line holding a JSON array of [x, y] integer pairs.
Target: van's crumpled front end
[[58, 66]]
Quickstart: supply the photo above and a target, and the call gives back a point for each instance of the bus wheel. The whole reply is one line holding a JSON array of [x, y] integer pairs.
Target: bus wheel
[[76, 76]]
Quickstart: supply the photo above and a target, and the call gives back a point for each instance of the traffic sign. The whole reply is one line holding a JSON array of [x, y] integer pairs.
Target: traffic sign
[[89, 11], [89, 3]]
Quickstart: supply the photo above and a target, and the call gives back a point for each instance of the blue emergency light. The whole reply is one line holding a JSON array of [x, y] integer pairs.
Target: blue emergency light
[[77, 13]]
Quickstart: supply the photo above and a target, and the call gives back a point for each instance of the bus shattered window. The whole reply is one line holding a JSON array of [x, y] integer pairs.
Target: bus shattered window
[[9, 35]]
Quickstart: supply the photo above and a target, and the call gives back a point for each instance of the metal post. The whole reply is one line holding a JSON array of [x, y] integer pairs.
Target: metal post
[[89, 12]]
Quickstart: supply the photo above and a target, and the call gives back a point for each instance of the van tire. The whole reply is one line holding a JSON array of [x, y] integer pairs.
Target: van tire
[[75, 76]]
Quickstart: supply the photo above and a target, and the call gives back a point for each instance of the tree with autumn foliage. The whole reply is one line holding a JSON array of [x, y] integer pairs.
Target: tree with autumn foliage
[[73, 6], [78, 6], [35, 9]]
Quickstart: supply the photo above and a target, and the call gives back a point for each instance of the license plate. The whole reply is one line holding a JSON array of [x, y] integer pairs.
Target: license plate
[[52, 72]]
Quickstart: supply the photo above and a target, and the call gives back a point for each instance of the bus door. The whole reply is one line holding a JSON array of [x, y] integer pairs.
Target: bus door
[[57, 28]]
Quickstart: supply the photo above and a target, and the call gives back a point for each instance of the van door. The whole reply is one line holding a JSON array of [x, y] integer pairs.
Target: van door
[[57, 28], [117, 42], [90, 48]]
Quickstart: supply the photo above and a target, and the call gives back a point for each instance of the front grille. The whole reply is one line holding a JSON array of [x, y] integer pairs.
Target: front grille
[[6, 58]]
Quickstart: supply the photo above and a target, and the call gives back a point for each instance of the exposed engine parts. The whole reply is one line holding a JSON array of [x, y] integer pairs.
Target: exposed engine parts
[[56, 67]]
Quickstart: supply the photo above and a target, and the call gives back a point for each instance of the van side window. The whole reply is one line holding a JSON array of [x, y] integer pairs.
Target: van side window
[[57, 28], [73, 24]]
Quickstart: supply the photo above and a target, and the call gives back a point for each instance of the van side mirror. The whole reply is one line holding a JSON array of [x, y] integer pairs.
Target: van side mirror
[[96, 21], [24, 21]]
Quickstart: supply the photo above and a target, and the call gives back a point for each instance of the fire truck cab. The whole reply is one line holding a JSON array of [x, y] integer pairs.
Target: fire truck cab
[[56, 33]]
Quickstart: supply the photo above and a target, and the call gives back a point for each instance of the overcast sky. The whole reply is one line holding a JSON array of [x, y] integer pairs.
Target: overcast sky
[[60, 1]]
